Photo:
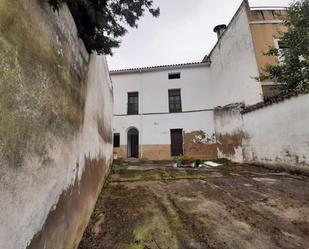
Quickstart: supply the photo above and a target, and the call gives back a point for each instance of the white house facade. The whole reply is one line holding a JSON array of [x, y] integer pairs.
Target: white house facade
[[165, 111]]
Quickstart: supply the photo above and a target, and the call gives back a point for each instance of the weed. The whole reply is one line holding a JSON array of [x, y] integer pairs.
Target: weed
[[166, 174], [118, 166]]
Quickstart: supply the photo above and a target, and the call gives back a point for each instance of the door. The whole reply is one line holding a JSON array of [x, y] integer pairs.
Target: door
[[133, 143], [176, 142], [134, 146]]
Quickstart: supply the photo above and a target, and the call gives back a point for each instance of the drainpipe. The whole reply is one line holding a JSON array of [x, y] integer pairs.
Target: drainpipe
[[142, 110]]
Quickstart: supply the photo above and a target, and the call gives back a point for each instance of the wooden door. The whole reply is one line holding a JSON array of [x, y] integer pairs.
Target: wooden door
[[134, 146], [176, 142]]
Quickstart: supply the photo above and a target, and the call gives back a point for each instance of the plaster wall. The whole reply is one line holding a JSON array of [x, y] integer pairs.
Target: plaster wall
[[155, 129], [275, 135], [265, 26], [228, 124], [154, 120], [278, 134], [153, 89], [55, 130], [228, 79], [233, 64]]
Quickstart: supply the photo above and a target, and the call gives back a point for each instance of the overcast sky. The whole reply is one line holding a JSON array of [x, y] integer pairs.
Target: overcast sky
[[182, 33]]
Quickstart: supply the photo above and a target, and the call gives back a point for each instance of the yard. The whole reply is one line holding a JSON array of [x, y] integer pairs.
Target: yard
[[233, 206]]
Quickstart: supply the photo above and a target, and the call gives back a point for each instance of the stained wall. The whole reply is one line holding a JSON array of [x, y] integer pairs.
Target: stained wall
[[55, 129], [274, 135]]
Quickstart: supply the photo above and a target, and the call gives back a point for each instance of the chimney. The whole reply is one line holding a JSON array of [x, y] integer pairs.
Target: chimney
[[219, 29]]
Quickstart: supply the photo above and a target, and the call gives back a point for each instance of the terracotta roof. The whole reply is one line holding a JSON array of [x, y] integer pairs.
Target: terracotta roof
[[153, 68]]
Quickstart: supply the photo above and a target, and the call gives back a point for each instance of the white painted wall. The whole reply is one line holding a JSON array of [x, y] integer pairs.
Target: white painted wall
[[278, 133], [155, 129], [199, 91], [31, 191], [228, 79], [275, 135], [153, 89], [228, 123], [233, 65], [153, 98]]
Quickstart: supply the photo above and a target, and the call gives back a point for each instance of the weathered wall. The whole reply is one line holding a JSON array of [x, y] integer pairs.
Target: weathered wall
[[199, 144], [154, 120], [227, 79], [265, 26], [154, 133], [229, 131], [233, 64], [55, 127], [276, 135]]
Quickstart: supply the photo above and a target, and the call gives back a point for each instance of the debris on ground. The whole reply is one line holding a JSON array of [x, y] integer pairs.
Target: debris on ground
[[212, 164]]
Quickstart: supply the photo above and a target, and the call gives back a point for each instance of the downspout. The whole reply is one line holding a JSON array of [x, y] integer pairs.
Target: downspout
[[142, 111]]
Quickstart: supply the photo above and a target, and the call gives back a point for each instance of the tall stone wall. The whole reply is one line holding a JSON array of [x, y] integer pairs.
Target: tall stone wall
[[274, 135], [55, 127]]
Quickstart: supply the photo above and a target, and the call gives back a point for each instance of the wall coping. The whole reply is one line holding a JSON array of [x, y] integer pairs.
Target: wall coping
[[269, 102]]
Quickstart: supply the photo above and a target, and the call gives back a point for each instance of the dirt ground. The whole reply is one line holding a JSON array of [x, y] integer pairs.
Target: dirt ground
[[234, 206]]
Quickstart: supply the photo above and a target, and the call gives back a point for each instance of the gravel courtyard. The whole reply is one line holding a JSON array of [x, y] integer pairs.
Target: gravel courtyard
[[233, 206]]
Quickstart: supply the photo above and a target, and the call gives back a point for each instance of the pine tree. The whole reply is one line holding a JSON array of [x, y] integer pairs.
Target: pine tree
[[101, 23]]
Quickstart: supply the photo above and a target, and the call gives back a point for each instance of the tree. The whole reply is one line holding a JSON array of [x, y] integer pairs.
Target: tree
[[293, 69], [101, 23]]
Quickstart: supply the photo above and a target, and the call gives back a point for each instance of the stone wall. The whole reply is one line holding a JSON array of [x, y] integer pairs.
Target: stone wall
[[274, 135], [55, 127]]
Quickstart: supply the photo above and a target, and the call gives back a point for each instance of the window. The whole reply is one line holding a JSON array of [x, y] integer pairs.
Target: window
[[283, 49], [173, 76], [116, 140], [174, 98], [133, 103]]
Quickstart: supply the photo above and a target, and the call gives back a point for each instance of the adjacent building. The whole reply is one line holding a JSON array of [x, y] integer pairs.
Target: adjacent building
[[165, 111]]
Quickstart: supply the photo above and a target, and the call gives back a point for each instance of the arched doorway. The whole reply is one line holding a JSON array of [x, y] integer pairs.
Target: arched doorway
[[133, 143]]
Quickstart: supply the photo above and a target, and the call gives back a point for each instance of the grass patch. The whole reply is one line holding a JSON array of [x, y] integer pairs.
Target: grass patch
[[166, 174], [159, 175], [119, 166]]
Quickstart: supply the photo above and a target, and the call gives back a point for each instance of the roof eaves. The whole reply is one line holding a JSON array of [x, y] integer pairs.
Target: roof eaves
[[159, 67]]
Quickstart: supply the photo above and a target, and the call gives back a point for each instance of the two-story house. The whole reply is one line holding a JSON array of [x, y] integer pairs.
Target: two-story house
[[166, 111]]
